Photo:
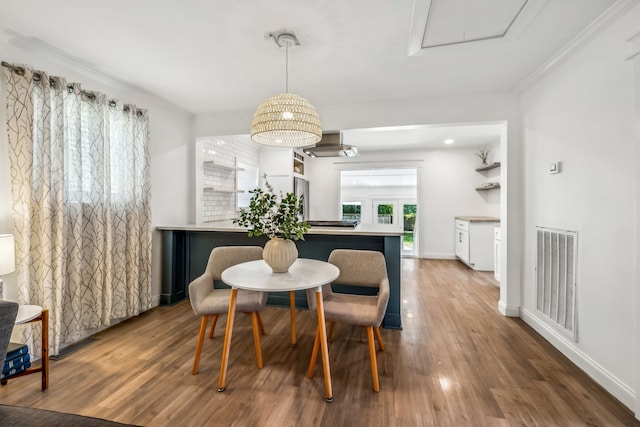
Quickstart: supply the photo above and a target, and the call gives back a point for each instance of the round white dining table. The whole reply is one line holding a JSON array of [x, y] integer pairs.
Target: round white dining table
[[258, 276]]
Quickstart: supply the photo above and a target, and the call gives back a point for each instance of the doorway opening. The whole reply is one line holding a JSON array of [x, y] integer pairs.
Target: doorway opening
[[386, 197]]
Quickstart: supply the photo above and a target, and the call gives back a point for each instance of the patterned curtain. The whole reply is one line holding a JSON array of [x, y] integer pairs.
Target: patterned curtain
[[82, 219]]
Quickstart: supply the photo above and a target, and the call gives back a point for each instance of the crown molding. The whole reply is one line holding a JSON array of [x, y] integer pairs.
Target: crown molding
[[616, 10], [22, 50], [634, 46]]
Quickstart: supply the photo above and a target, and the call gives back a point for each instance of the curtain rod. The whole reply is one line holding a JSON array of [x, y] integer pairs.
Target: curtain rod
[[36, 76]]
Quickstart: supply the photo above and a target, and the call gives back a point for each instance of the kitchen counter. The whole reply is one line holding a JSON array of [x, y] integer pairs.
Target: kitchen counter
[[478, 218], [186, 249], [359, 230]]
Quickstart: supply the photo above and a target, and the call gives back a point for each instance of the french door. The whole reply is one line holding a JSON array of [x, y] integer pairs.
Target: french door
[[386, 211]]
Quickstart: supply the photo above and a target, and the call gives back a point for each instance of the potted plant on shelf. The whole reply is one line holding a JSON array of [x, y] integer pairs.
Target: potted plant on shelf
[[483, 154], [279, 218]]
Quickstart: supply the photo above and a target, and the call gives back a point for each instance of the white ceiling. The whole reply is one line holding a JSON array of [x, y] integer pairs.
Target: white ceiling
[[422, 136], [208, 56]]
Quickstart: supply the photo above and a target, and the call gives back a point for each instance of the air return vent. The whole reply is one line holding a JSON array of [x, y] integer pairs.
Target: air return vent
[[556, 278]]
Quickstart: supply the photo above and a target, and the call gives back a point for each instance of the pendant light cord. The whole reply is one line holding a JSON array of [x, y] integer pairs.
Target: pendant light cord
[[286, 68]]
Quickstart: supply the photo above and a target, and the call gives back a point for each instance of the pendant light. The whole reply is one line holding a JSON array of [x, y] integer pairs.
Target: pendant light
[[286, 120]]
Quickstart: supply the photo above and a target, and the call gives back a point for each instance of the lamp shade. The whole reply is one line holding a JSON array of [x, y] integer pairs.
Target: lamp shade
[[7, 254], [286, 120]]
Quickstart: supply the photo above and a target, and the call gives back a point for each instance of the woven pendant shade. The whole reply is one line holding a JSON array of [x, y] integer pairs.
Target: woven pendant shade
[[286, 120]]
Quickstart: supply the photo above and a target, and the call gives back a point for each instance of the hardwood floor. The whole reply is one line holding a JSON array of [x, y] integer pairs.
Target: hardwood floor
[[457, 362]]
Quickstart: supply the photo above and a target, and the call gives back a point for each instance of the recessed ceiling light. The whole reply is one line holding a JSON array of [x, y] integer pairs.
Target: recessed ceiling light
[[448, 141]]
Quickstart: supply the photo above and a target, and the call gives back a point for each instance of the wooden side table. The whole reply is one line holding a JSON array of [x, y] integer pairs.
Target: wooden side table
[[30, 314]]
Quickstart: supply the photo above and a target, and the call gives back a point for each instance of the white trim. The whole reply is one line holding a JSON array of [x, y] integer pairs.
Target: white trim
[[606, 379], [634, 57], [418, 25], [508, 310], [379, 164], [634, 46], [436, 255], [155, 301], [598, 25]]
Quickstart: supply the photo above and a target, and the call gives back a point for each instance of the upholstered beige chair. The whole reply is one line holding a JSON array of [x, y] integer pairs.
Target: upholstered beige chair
[[208, 301], [357, 268]]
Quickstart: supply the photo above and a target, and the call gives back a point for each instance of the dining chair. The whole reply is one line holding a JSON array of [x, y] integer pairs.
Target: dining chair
[[357, 268], [209, 300]]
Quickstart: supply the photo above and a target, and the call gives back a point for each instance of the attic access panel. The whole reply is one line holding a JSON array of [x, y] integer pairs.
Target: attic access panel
[[463, 21]]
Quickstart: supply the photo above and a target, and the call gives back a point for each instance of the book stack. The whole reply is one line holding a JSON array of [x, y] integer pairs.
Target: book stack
[[17, 360]]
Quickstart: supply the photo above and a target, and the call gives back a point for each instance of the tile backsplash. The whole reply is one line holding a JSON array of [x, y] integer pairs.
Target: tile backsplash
[[216, 182]]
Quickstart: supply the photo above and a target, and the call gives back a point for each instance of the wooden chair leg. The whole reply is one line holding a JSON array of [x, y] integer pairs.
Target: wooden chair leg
[[314, 354], [332, 328], [196, 358], [256, 338], [372, 355], [379, 338], [260, 325], [213, 326]]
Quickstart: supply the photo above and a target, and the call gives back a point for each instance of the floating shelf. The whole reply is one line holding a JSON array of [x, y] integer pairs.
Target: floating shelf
[[488, 167], [489, 187], [221, 166]]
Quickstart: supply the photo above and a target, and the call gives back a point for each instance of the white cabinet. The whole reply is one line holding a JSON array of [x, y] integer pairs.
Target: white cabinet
[[462, 240], [281, 165], [474, 241]]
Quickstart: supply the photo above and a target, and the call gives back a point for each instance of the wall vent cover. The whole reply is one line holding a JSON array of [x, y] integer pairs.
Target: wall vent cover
[[556, 278]]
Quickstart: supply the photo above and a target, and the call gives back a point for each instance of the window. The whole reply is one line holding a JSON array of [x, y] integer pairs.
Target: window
[[351, 211], [385, 213]]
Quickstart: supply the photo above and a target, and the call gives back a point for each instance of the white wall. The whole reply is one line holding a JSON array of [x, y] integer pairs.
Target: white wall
[[582, 114], [170, 136], [446, 188], [478, 108]]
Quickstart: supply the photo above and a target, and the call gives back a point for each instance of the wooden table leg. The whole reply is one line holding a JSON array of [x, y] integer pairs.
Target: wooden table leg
[[227, 339], [292, 308], [45, 349], [322, 329], [43, 317]]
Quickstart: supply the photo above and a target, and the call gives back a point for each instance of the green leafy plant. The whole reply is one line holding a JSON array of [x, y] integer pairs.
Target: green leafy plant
[[272, 215]]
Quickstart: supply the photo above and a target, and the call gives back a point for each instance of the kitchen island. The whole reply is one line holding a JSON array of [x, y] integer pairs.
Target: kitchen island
[[186, 249]]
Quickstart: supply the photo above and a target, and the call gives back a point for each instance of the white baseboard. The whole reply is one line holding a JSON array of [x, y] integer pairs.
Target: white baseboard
[[435, 255], [613, 385], [155, 301], [508, 310]]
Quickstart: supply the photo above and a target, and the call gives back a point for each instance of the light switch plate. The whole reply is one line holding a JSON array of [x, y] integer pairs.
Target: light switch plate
[[554, 167]]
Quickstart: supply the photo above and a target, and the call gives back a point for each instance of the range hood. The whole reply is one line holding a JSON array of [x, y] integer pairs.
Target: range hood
[[331, 146]]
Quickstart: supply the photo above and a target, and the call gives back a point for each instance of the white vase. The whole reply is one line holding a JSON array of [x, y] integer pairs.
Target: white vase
[[280, 254]]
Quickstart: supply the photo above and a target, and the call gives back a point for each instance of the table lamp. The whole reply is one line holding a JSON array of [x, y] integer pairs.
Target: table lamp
[[7, 258]]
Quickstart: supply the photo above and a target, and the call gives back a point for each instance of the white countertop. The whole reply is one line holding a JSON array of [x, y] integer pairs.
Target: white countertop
[[360, 230]]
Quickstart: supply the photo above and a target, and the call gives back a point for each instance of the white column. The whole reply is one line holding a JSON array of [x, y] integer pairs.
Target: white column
[[634, 57]]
